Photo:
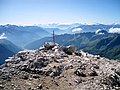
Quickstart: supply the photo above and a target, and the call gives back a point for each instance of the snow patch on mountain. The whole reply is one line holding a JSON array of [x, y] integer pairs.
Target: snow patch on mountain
[[2, 36], [101, 32], [77, 30]]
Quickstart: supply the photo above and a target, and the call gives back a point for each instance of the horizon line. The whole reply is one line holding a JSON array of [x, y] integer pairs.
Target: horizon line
[[59, 24]]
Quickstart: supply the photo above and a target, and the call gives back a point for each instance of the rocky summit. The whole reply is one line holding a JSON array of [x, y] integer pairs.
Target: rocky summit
[[55, 67]]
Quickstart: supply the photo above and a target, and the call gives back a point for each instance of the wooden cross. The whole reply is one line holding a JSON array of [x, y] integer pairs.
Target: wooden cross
[[53, 37]]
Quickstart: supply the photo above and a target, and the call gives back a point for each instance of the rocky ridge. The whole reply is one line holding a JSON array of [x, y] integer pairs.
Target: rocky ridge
[[55, 67]]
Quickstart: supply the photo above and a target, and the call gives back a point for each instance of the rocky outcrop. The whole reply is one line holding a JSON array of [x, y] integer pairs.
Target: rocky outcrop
[[55, 67]]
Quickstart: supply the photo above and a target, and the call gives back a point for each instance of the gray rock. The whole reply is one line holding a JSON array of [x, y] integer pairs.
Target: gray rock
[[5, 76], [79, 72], [87, 70], [1, 87], [40, 86], [55, 71], [49, 45], [35, 76], [39, 63], [24, 75], [78, 81], [118, 72], [78, 53], [69, 49], [93, 73], [54, 65], [114, 80]]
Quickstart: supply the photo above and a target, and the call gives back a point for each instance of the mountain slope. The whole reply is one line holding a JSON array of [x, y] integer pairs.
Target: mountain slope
[[36, 44], [104, 45], [7, 49], [56, 30], [108, 47], [22, 35]]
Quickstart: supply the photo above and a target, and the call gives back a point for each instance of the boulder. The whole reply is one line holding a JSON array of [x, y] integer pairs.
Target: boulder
[[79, 72], [39, 63], [93, 73], [86, 70], [54, 71], [35, 76], [1, 87], [69, 49], [78, 53], [118, 72], [49, 45], [40, 86], [5, 76], [24, 75], [114, 80]]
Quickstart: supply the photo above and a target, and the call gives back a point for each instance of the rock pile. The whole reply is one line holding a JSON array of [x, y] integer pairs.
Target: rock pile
[[55, 67]]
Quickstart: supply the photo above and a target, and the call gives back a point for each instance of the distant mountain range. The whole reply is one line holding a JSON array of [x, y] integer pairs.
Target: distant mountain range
[[57, 30], [7, 49], [60, 26], [93, 28], [90, 38], [78, 28], [107, 45], [22, 35]]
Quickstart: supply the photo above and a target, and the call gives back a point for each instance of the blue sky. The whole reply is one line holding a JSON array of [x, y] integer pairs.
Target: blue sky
[[59, 11]]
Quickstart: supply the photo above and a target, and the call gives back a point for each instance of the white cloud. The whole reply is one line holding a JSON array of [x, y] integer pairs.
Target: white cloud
[[77, 30], [114, 30], [3, 36]]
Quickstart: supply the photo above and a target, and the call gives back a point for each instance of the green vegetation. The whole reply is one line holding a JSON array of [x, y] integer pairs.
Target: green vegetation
[[107, 45]]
